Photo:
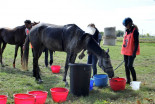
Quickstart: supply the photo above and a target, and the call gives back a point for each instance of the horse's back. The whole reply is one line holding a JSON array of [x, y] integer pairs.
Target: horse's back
[[47, 34], [13, 36], [54, 37]]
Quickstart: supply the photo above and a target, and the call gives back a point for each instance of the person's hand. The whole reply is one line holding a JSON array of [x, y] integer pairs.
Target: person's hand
[[81, 56], [134, 55]]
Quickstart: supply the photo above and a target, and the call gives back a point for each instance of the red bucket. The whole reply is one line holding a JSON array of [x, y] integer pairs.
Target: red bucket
[[117, 84], [59, 94], [24, 99], [55, 68], [3, 99], [40, 96]]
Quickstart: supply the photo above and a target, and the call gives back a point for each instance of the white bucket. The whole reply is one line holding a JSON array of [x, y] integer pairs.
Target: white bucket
[[135, 85]]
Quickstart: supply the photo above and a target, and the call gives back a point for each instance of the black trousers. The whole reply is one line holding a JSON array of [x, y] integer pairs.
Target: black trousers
[[129, 60], [46, 57]]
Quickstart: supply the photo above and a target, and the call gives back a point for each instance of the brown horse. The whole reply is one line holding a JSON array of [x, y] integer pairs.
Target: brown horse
[[15, 36]]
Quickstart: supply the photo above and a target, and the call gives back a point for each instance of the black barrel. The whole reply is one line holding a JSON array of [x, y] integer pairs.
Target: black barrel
[[80, 79]]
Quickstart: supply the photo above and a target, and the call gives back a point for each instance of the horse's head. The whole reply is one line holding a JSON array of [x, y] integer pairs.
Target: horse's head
[[105, 64]]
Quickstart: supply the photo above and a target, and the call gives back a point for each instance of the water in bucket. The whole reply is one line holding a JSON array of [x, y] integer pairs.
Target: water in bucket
[[135, 85]]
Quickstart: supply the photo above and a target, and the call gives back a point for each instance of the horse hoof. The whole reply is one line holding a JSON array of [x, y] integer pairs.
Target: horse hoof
[[13, 65], [66, 84], [2, 65], [40, 81], [64, 79]]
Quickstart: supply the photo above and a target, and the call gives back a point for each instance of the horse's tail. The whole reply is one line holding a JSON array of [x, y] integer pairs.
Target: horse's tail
[[26, 54]]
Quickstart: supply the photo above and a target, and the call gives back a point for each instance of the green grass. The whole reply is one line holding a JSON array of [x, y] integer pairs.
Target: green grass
[[17, 81], [141, 39]]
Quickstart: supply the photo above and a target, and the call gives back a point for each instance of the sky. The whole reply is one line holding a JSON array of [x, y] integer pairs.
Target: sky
[[103, 13]]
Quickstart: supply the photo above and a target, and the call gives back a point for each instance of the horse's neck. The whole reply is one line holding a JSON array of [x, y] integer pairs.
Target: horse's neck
[[19, 27], [94, 48]]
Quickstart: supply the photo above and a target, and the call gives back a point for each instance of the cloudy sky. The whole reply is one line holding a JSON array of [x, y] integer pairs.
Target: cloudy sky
[[103, 13]]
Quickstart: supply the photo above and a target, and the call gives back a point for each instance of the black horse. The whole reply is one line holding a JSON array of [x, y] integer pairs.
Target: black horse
[[70, 39], [15, 36]]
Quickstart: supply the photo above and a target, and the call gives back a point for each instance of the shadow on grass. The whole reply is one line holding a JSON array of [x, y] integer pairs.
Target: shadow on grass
[[55, 80], [9, 70], [98, 95], [49, 80], [148, 89]]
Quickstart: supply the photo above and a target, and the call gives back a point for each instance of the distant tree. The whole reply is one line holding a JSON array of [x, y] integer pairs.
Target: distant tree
[[119, 33], [148, 34], [102, 33]]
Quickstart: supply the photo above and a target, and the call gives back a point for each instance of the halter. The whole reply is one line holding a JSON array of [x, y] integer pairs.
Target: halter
[[104, 67]]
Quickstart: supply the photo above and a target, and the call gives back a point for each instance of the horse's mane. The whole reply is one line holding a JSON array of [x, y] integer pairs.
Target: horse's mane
[[19, 27], [14, 29]]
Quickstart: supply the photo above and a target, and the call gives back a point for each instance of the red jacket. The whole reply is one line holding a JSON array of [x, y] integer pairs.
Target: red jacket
[[128, 45], [27, 33]]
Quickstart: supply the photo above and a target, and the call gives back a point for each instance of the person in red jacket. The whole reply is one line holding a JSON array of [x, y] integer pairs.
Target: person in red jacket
[[130, 48]]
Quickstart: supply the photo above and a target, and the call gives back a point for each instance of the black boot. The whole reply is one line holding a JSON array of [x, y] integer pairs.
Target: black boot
[[127, 76], [133, 73]]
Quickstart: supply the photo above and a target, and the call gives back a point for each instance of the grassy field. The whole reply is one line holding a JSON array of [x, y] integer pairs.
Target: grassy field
[[17, 81], [150, 39]]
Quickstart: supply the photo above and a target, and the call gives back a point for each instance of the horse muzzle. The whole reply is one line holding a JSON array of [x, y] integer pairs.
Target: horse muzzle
[[109, 71]]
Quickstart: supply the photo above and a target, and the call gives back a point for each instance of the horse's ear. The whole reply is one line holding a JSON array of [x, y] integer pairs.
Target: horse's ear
[[107, 50]]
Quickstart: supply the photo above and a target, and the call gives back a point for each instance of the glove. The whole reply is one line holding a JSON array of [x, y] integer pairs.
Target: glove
[[134, 55]]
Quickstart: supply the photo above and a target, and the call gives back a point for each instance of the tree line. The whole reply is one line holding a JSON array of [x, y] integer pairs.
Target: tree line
[[120, 33]]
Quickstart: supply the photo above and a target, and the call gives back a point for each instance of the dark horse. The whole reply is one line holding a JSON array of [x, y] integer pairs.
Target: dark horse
[[70, 39], [14, 36]]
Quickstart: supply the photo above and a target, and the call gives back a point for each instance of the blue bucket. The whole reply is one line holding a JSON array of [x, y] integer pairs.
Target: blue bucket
[[101, 80], [91, 84]]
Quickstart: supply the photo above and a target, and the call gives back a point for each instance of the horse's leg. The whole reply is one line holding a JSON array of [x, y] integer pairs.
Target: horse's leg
[[51, 57], [4, 45], [1, 55], [66, 66], [73, 58], [36, 69], [16, 50], [21, 48], [70, 59], [2, 50], [46, 57]]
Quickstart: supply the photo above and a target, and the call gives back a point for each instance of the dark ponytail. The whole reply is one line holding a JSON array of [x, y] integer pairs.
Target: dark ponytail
[[136, 27]]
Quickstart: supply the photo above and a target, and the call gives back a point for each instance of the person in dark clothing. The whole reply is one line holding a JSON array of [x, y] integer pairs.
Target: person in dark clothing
[[99, 38], [46, 57], [130, 48], [92, 59]]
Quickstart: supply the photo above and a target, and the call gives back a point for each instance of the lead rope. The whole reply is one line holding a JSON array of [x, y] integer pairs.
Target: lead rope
[[119, 65]]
